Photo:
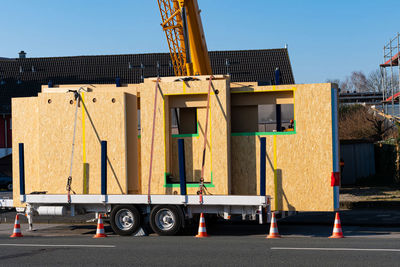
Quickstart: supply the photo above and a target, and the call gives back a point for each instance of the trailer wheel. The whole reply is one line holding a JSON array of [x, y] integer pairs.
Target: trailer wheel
[[166, 220], [125, 219]]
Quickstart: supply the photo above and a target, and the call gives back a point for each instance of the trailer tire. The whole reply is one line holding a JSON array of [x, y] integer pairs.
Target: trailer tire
[[166, 220], [125, 219]]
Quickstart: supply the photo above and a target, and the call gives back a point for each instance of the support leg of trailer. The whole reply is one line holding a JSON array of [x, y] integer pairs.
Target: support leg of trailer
[[72, 210], [29, 216], [227, 214], [260, 215], [188, 213], [30, 221]]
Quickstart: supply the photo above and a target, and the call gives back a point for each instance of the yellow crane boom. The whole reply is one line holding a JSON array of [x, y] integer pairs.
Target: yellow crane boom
[[182, 25]]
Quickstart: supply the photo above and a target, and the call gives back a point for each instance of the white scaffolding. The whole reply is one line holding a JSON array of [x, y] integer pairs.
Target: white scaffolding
[[391, 87]]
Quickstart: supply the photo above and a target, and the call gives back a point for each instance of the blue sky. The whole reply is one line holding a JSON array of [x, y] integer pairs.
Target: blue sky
[[327, 39]]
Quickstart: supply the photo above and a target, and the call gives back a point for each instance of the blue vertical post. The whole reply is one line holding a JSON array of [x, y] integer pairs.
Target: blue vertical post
[[21, 170], [278, 107], [182, 172], [278, 111], [104, 167], [262, 165]]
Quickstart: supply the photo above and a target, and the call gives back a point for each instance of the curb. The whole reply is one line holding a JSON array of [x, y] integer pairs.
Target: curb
[[386, 205], [363, 218]]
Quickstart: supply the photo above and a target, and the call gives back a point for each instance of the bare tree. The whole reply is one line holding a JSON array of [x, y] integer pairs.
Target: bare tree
[[359, 81], [337, 81], [356, 82], [346, 85], [374, 81], [343, 86]]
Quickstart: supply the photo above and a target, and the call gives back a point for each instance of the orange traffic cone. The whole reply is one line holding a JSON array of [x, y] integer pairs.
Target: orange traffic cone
[[202, 227], [100, 228], [17, 228], [273, 230], [337, 228]]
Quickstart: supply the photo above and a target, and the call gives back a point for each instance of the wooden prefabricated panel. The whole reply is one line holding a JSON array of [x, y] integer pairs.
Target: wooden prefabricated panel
[[25, 119], [132, 105], [299, 163], [47, 132], [104, 120], [173, 94]]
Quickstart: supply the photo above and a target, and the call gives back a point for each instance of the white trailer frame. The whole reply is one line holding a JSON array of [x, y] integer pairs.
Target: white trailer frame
[[250, 207]]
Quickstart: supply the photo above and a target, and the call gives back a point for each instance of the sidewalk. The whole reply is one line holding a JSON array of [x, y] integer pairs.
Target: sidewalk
[[374, 217], [9, 217], [367, 197], [52, 230]]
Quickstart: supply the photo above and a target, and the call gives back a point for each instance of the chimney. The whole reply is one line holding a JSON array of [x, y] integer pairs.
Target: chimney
[[22, 54]]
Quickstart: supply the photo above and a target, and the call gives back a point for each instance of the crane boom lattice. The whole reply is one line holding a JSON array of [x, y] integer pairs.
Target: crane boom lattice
[[173, 28]]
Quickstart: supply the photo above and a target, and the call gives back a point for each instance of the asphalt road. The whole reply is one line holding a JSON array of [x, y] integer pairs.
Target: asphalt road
[[189, 251], [372, 238], [230, 244]]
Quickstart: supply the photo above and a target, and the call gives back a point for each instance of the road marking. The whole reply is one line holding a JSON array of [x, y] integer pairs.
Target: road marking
[[49, 245], [341, 249]]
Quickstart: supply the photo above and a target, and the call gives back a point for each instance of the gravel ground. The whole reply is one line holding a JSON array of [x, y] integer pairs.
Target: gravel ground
[[356, 194]]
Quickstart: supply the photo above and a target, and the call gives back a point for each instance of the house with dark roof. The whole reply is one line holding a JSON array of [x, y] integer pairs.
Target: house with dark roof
[[24, 76]]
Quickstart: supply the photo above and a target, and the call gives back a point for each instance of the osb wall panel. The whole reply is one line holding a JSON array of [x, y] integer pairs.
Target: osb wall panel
[[253, 87], [219, 142], [279, 97], [127, 88], [159, 166], [246, 165], [133, 151], [303, 160], [139, 165], [220, 138], [55, 142], [188, 101], [25, 126]]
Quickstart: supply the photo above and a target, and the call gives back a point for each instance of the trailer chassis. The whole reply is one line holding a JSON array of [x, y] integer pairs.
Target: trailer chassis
[[249, 207]]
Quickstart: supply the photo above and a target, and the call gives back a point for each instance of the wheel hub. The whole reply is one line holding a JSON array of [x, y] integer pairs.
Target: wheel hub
[[165, 219], [124, 219]]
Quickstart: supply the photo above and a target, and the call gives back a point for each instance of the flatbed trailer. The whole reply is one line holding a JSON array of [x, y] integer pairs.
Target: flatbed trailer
[[166, 214], [302, 165]]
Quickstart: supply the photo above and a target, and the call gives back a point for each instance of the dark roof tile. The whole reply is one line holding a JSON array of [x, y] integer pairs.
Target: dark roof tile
[[243, 66]]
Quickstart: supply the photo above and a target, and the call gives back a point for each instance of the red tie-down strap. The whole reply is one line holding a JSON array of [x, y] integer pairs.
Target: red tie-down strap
[[335, 179]]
